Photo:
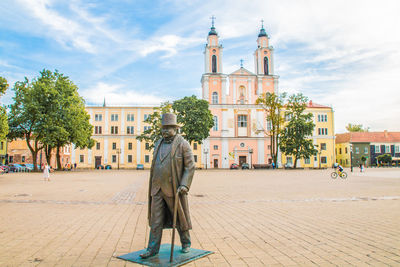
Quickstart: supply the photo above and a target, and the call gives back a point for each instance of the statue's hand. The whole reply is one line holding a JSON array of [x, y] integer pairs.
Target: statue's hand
[[183, 189]]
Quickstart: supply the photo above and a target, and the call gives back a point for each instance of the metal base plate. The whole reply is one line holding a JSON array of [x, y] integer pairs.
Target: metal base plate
[[162, 258]]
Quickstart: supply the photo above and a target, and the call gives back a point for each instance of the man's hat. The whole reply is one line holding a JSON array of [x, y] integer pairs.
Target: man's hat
[[169, 119]]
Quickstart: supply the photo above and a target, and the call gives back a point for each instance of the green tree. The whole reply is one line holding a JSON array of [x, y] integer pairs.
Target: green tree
[[385, 158], [295, 139], [192, 113], [195, 117], [25, 118], [3, 114], [273, 104], [356, 128]]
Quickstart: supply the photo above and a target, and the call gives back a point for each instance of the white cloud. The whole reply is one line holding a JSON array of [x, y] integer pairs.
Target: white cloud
[[116, 95]]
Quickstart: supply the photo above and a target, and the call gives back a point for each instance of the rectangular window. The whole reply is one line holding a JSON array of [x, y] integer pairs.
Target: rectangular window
[[323, 146], [397, 149], [11, 159], [114, 129], [97, 145], [269, 125], [130, 130], [130, 117], [114, 146], [146, 116], [326, 117], [289, 160], [215, 147], [145, 128], [357, 150], [345, 150], [242, 121], [215, 127], [130, 158], [378, 149], [2, 145], [23, 159], [99, 129], [347, 161], [195, 146], [387, 149], [147, 158], [147, 146], [323, 160], [98, 117], [81, 158], [195, 158], [114, 158], [365, 150], [326, 131], [307, 161], [319, 131], [269, 147], [319, 117], [114, 117], [130, 146], [340, 150]]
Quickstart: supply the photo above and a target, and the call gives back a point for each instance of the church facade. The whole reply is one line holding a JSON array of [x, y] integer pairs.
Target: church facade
[[238, 135]]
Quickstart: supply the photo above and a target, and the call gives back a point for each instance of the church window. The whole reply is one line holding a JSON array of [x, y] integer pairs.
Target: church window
[[242, 121], [215, 128], [242, 94], [266, 66], [214, 63], [215, 98]]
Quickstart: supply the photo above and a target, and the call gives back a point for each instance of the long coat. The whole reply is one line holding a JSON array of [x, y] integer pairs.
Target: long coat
[[182, 164]]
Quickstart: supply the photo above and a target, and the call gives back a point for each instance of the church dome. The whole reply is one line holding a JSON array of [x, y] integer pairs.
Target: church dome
[[262, 33], [212, 32]]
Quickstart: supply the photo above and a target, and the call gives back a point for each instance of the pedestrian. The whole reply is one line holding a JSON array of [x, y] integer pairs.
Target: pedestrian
[[74, 166], [361, 168], [46, 172], [273, 165]]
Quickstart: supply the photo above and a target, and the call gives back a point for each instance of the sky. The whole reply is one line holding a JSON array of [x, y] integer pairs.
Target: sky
[[344, 54]]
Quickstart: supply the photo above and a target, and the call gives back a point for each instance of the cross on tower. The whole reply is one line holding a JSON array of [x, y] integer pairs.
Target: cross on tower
[[241, 63], [212, 20], [262, 24]]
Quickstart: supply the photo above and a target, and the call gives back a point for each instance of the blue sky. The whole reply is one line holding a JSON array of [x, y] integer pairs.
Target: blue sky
[[345, 54]]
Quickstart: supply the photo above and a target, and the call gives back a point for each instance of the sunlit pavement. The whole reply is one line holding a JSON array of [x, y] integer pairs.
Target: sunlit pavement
[[247, 217]]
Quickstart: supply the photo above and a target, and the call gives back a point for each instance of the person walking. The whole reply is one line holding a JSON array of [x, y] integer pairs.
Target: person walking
[[46, 172]]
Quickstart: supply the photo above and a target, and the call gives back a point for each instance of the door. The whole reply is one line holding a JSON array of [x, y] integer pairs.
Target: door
[[215, 163], [242, 159], [97, 161]]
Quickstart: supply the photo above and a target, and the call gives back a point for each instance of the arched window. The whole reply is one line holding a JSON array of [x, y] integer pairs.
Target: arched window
[[215, 128], [214, 63], [266, 66], [215, 98]]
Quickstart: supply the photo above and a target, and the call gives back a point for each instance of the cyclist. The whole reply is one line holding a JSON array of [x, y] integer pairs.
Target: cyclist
[[339, 169]]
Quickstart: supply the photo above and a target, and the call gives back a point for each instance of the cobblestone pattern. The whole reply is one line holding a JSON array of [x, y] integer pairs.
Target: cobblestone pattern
[[248, 218]]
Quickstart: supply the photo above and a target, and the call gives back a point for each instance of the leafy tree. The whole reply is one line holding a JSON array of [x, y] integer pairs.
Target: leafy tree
[[385, 158], [294, 139], [195, 117], [3, 113], [192, 113], [356, 128], [273, 104], [25, 117]]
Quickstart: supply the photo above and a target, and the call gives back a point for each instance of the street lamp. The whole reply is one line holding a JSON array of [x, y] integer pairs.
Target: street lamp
[[118, 152], [351, 157], [319, 156], [251, 157], [206, 152]]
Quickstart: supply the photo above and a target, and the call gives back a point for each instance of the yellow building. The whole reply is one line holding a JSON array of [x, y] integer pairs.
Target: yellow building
[[115, 130], [323, 139], [3, 150]]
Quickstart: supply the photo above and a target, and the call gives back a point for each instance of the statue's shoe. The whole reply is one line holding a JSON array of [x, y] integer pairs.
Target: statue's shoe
[[147, 254], [185, 249]]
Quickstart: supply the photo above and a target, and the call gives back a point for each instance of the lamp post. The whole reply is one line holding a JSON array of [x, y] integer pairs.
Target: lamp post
[[319, 156], [206, 152], [118, 152], [251, 157], [351, 157]]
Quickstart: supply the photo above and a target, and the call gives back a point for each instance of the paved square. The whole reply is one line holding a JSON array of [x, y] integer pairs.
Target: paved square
[[248, 218]]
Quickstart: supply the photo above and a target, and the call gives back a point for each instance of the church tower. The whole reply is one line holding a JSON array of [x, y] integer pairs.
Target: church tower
[[213, 80]]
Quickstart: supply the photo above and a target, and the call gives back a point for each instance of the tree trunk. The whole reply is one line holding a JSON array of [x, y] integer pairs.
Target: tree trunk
[[59, 167], [295, 162], [47, 152], [34, 151]]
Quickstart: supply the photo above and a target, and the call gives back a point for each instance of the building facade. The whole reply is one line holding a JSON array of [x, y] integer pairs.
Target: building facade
[[323, 138], [237, 136], [3, 150], [352, 148], [115, 130]]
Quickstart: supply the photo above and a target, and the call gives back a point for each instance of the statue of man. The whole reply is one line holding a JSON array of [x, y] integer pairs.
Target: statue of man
[[171, 171]]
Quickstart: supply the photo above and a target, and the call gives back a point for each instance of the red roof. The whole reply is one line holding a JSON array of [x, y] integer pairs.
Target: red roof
[[368, 137], [315, 105]]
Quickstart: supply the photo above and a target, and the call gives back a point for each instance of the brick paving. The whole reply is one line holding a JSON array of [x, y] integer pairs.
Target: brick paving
[[248, 218]]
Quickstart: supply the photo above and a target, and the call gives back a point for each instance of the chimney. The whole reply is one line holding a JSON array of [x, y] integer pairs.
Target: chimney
[[385, 133], [310, 103]]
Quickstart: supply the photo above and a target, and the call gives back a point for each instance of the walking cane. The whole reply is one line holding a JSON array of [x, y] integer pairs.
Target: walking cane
[[174, 225]]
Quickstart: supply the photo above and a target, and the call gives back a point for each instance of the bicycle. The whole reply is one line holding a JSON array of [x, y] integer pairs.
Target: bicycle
[[342, 174]]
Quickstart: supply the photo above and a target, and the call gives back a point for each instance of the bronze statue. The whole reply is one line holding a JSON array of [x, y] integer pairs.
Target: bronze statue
[[172, 171]]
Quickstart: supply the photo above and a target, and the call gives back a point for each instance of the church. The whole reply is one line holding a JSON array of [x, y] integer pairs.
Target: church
[[239, 124]]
